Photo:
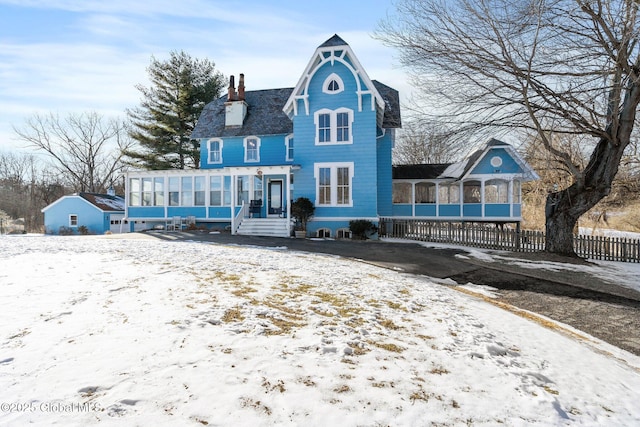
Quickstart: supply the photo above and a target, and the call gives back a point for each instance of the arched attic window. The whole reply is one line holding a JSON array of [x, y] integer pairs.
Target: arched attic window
[[333, 84]]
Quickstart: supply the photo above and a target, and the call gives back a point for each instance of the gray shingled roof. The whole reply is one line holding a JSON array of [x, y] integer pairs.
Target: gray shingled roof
[[335, 40], [105, 202], [391, 99], [264, 116], [426, 171]]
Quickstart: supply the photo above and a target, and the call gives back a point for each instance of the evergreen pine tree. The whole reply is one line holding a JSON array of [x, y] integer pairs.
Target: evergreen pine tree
[[162, 125]]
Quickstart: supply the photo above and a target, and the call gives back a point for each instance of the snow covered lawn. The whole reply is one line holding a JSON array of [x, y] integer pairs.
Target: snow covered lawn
[[113, 331]]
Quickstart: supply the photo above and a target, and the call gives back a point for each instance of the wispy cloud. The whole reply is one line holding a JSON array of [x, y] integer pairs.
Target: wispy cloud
[[94, 59]]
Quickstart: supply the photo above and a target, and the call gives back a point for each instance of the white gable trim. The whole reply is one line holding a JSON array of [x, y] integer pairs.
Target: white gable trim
[[301, 90], [73, 196]]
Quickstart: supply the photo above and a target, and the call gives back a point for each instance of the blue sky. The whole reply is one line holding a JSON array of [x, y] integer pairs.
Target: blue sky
[[87, 55]]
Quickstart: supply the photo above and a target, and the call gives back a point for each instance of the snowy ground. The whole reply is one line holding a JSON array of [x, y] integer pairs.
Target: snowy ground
[[114, 331]]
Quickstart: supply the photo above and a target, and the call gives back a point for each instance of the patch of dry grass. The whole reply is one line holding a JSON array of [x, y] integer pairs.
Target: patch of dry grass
[[233, 315]]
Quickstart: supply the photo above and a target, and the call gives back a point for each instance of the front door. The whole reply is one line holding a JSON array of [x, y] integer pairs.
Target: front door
[[275, 198]]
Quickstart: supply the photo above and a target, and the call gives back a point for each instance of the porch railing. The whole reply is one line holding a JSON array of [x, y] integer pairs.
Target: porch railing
[[237, 219]]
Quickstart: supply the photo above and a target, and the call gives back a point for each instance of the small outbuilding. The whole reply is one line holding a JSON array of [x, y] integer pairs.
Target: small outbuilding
[[85, 213]]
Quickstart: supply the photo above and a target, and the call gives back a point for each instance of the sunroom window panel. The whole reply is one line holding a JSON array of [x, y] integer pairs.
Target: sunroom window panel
[[517, 192], [215, 191], [425, 192], [471, 192], [174, 191], [186, 192], [158, 190], [496, 191], [147, 191], [243, 189], [226, 194], [199, 190], [134, 192], [401, 192]]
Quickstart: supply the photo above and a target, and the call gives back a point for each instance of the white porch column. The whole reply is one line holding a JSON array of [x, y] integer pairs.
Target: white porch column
[[289, 193]]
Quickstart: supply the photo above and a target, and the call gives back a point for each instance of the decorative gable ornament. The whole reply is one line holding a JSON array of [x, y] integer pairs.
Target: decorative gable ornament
[[335, 50]]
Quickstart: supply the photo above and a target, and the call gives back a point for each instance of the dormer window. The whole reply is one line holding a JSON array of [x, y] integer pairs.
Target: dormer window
[[333, 84]]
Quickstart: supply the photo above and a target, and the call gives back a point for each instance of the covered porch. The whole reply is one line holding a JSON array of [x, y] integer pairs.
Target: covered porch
[[231, 196]]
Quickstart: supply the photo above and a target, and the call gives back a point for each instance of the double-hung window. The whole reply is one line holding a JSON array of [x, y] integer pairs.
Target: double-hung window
[[334, 184], [334, 126], [289, 147], [215, 151], [252, 149]]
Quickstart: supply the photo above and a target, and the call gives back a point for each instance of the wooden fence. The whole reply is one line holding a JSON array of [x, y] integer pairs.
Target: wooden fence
[[490, 236]]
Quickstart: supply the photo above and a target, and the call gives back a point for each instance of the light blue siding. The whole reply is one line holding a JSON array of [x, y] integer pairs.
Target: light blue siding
[[426, 210], [508, 165], [362, 150], [497, 210], [472, 210], [57, 215], [402, 210], [449, 210], [272, 152]]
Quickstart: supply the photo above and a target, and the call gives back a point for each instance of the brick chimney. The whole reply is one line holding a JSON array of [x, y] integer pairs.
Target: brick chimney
[[232, 90], [241, 88], [236, 107]]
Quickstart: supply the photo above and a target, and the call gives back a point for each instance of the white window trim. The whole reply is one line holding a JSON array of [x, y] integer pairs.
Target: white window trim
[[70, 223], [328, 80], [333, 121], [218, 140], [287, 141], [334, 183], [246, 160]]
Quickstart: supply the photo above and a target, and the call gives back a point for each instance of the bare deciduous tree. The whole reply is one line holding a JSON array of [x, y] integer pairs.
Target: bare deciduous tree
[[25, 188], [549, 67], [85, 148], [420, 142]]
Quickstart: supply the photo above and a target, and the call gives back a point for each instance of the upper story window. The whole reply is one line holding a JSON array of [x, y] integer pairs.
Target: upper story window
[[334, 126], [288, 142], [333, 84], [252, 149], [215, 151]]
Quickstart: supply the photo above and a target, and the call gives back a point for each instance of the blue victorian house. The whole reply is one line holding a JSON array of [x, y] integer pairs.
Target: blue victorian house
[[328, 139]]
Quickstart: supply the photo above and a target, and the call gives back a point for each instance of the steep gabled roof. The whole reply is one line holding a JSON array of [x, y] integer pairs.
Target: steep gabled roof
[[264, 116], [460, 170], [332, 50], [335, 40], [104, 202]]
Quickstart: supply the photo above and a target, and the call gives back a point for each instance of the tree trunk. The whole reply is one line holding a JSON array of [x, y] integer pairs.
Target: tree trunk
[[564, 208]]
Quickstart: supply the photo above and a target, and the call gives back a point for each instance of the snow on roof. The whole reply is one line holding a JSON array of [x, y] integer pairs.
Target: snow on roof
[[104, 202]]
